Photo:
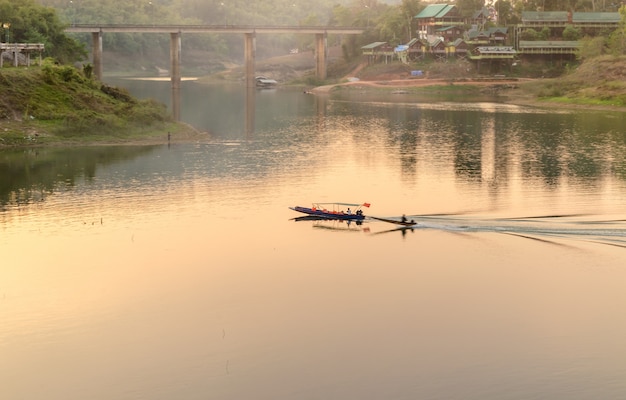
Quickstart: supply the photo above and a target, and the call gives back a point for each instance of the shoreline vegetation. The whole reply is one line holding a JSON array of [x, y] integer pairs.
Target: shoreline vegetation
[[57, 105]]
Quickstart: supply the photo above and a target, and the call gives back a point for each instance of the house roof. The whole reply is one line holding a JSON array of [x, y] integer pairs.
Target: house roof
[[435, 11], [562, 44], [496, 50], [373, 45], [436, 43], [544, 16], [498, 29], [457, 42], [596, 17], [562, 16], [484, 12], [473, 34], [412, 42]]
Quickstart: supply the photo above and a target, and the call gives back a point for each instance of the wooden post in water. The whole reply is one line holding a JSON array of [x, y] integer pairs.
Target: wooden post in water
[[320, 55], [249, 55], [175, 61], [96, 41]]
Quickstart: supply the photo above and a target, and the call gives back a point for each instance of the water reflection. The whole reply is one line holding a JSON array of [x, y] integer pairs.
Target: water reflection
[[177, 272], [31, 175], [486, 144]]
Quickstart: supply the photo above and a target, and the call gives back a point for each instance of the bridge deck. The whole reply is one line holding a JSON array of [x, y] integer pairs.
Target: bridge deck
[[90, 28]]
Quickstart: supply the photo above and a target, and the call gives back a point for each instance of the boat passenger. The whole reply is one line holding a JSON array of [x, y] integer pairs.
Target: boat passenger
[[403, 218], [349, 212]]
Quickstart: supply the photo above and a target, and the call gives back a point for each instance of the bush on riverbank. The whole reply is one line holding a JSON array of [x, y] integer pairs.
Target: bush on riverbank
[[49, 103]]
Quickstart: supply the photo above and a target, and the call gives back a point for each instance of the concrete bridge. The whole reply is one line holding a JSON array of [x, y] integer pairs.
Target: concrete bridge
[[176, 31], [249, 33]]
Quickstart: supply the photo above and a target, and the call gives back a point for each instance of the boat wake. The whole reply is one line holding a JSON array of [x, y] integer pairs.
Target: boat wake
[[546, 228]]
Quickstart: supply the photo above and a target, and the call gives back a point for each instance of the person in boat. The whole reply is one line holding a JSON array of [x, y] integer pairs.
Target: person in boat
[[349, 212], [359, 212], [403, 219]]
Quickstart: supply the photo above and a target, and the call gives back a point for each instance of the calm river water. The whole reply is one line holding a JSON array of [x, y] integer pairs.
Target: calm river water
[[178, 272]]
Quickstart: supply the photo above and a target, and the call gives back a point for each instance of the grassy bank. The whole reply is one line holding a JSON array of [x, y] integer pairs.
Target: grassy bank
[[55, 104], [599, 81]]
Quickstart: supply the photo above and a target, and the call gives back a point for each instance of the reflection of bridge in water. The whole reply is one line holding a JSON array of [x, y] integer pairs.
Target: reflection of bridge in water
[[176, 31]]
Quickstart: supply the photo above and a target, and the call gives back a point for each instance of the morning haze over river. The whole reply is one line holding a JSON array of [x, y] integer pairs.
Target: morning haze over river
[[178, 271]]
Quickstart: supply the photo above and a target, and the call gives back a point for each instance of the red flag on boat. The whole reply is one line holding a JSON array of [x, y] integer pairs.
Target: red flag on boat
[[366, 204]]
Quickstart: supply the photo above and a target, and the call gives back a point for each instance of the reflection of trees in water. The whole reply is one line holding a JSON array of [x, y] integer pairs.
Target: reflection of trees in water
[[548, 146], [485, 142], [582, 145], [31, 175]]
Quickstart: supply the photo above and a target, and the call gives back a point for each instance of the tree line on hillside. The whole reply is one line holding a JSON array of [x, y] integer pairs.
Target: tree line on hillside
[[25, 21], [43, 21]]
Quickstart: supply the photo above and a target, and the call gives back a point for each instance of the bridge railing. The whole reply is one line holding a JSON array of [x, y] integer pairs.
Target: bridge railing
[[86, 28], [22, 46]]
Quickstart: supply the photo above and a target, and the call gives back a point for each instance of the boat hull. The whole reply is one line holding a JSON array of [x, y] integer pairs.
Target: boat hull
[[328, 214]]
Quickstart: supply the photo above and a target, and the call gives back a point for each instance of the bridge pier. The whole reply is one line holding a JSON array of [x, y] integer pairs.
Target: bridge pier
[[320, 55], [175, 61], [176, 32], [249, 57], [96, 41]]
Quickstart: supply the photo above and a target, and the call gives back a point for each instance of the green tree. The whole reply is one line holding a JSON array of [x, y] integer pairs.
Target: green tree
[[571, 33], [391, 24], [28, 22], [469, 7], [592, 47], [529, 34], [409, 9], [506, 13], [617, 39]]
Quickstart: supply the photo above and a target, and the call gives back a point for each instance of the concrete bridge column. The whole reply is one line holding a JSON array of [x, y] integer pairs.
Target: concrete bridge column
[[249, 55], [320, 55], [250, 111], [175, 61], [96, 42]]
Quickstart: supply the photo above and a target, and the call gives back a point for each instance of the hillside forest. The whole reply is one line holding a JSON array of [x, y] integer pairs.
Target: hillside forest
[[43, 21]]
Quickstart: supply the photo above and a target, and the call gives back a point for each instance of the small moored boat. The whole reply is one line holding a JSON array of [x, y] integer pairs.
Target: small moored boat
[[265, 82]]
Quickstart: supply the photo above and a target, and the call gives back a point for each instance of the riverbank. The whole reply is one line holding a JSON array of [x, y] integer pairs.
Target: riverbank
[[599, 83], [61, 105], [510, 91]]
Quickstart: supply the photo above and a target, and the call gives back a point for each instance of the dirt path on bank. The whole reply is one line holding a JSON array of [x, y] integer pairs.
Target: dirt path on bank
[[418, 82], [509, 90]]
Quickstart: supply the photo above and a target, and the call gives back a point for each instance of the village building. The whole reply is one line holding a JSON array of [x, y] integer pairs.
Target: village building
[[20, 53], [480, 18], [449, 33], [437, 16], [459, 48], [590, 23], [438, 49], [442, 33], [417, 49], [378, 51]]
